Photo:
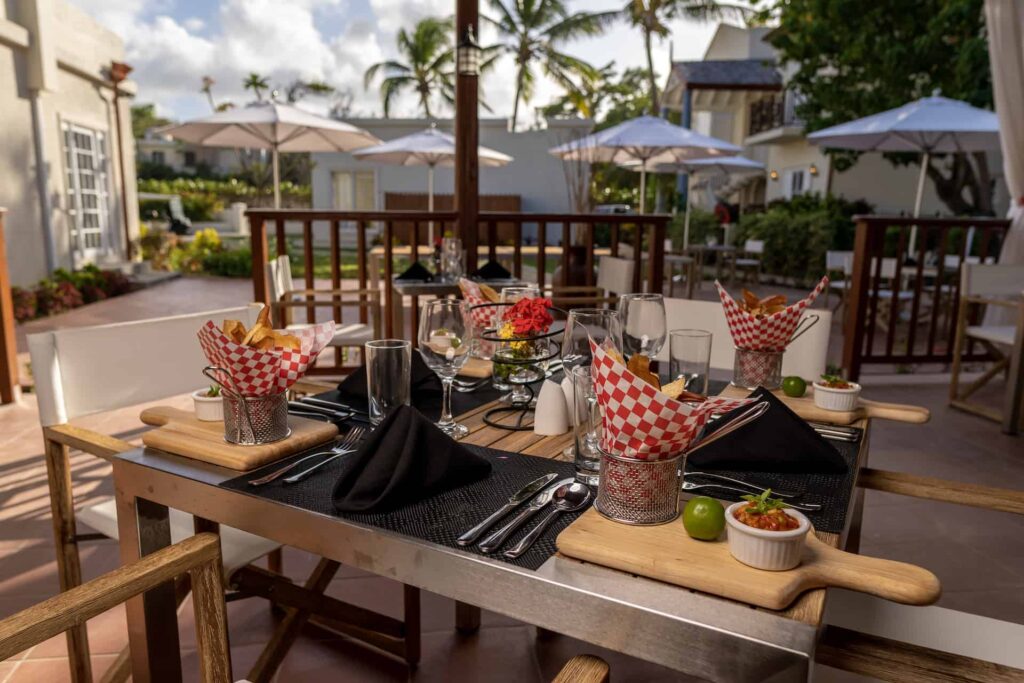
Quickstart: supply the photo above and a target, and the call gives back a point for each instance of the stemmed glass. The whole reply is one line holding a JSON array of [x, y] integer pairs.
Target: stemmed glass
[[643, 324], [445, 341], [520, 375], [583, 325]]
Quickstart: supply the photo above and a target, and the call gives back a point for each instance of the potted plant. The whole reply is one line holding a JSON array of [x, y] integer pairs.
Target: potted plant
[[208, 403]]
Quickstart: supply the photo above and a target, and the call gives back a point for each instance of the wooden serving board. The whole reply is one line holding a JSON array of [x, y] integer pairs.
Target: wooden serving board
[[805, 408], [179, 432], [477, 368], [667, 553]]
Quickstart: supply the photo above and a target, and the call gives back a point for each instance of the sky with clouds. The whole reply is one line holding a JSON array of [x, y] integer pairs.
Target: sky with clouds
[[172, 44]]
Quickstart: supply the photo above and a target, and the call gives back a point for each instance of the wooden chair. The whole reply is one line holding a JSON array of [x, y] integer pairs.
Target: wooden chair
[[806, 356], [839, 268], [584, 669], [614, 277], [90, 370], [747, 260], [198, 557], [999, 286], [285, 297]]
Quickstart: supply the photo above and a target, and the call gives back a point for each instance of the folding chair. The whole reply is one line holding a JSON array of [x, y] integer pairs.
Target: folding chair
[[87, 370]]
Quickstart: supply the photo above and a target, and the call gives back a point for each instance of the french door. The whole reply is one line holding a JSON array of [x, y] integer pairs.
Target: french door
[[86, 161]]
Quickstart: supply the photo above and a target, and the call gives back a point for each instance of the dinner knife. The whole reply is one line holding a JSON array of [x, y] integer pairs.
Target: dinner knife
[[514, 501], [494, 541], [335, 405]]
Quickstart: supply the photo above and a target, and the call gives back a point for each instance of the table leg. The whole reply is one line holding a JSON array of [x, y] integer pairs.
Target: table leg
[[144, 528], [467, 617]]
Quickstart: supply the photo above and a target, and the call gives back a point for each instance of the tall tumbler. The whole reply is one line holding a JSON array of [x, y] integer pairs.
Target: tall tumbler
[[388, 370], [690, 358], [586, 422]]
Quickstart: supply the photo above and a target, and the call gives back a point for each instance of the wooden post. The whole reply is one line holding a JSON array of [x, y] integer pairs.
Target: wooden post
[[467, 136], [258, 242], [8, 342], [656, 274], [854, 324]]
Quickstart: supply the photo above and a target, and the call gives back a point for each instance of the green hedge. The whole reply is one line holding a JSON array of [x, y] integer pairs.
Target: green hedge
[[201, 199], [798, 232]]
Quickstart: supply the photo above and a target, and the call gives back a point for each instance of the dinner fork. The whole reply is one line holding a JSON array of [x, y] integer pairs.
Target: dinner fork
[[353, 438], [755, 487], [690, 486], [346, 445], [469, 386]]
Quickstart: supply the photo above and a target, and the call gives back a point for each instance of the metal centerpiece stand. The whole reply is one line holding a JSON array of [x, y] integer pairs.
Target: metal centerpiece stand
[[529, 369]]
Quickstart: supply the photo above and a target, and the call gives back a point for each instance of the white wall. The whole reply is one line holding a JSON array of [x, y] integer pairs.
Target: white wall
[[536, 176]]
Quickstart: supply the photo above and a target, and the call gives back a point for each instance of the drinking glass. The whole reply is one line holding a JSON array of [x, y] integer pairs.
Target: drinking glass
[[643, 323], [451, 258], [584, 324], [690, 358], [445, 341], [514, 376], [388, 371], [586, 423]]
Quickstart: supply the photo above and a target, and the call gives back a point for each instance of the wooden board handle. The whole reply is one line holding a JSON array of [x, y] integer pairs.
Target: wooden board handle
[[158, 416], [897, 412], [897, 581]]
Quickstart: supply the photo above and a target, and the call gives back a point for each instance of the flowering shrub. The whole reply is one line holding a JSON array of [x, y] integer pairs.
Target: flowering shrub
[[24, 304], [67, 290]]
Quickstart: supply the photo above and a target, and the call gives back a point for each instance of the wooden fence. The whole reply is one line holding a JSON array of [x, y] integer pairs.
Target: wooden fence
[[902, 306]]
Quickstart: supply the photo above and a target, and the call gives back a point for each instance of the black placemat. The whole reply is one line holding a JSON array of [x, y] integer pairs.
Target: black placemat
[[439, 519], [832, 491]]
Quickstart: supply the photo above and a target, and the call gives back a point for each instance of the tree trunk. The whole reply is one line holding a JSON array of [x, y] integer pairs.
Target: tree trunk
[[519, 92], [950, 188], [651, 79]]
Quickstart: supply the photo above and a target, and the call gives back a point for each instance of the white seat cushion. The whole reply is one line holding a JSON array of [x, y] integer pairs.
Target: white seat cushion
[[238, 548], [747, 261], [997, 334], [353, 334]]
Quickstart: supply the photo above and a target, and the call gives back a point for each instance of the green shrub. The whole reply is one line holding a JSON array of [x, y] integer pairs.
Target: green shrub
[[229, 262], [798, 232], [702, 225]]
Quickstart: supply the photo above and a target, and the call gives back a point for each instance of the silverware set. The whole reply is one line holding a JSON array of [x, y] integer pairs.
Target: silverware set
[[565, 495], [829, 431], [320, 409], [741, 486], [345, 446]]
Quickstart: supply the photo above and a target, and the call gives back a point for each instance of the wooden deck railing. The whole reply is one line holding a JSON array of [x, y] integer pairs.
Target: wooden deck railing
[[501, 236], [902, 306], [8, 342]]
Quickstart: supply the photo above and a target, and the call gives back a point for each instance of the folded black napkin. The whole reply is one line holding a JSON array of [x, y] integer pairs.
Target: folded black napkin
[[422, 380], [405, 459], [778, 441], [416, 273], [492, 270]]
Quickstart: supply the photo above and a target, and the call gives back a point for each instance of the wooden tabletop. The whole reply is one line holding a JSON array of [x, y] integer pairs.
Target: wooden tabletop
[[808, 608]]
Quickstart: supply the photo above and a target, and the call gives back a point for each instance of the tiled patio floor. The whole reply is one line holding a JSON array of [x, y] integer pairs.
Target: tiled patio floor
[[979, 556]]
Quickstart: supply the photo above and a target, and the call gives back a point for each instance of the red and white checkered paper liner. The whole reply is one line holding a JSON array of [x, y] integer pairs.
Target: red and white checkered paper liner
[[770, 333], [263, 373], [640, 422], [484, 318]]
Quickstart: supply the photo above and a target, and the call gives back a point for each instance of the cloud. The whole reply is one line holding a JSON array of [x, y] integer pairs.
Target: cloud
[[194, 24]]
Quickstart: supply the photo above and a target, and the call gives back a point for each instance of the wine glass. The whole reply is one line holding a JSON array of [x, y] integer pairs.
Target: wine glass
[[445, 341], [584, 324], [643, 324]]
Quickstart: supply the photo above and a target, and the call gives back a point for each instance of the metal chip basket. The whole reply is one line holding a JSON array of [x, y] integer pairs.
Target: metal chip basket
[[753, 369], [251, 420], [641, 492]]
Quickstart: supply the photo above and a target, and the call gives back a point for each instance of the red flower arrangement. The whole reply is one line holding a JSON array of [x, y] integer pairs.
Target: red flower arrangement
[[530, 316]]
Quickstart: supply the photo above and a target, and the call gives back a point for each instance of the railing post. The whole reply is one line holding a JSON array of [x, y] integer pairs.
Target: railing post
[[8, 343], [656, 270], [853, 328], [258, 246]]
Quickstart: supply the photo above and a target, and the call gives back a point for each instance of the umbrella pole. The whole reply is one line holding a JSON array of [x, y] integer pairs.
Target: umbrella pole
[[643, 185], [917, 201], [430, 203], [277, 178], [686, 218]]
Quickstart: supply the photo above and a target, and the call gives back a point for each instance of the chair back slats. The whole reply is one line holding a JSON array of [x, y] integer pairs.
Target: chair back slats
[[86, 370], [996, 280]]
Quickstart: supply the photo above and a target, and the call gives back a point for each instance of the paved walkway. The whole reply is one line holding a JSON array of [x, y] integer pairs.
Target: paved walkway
[[978, 555]]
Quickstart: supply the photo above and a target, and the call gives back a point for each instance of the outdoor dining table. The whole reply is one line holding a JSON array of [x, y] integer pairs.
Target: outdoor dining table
[[685, 630], [701, 251]]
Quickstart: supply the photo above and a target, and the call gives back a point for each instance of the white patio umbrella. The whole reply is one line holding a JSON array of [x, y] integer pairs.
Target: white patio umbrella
[[430, 148], [275, 126], [646, 141], [931, 125], [736, 165]]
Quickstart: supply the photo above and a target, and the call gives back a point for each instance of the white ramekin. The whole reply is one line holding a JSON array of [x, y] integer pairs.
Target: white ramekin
[[843, 400], [208, 408], [772, 550]]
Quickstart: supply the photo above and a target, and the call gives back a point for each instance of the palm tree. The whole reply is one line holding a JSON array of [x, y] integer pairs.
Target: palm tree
[[257, 84], [652, 17], [207, 90], [533, 32], [428, 68], [586, 94]]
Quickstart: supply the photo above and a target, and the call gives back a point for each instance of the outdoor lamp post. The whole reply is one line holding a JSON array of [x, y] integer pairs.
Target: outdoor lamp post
[[467, 55]]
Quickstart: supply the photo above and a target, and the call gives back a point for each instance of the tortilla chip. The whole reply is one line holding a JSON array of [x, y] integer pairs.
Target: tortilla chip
[[674, 389], [286, 341], [641, 367], [614, 353], [234, 330], [490, 294]]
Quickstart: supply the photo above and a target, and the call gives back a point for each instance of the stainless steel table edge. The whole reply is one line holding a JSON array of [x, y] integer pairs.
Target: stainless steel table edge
[[684, 630]]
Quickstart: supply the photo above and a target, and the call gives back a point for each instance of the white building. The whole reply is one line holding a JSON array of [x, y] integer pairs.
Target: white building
[[737, 93], [535, 177], [184, 158], [61, 155]]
